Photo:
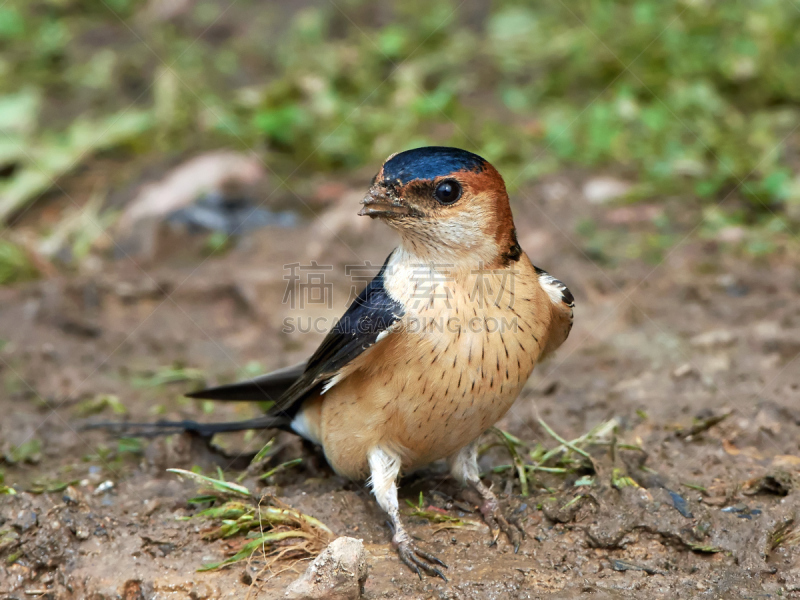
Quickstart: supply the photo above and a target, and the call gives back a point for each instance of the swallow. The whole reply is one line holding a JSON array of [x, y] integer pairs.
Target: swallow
[[433, 352]]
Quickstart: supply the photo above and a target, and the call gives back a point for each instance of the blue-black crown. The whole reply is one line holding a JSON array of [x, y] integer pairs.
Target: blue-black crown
[[430, 162]]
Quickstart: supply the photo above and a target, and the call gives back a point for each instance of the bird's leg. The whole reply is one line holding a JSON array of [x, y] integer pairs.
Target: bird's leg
[[464, 467], [384, 469]]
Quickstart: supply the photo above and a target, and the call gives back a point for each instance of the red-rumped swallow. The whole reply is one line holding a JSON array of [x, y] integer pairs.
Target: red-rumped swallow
[[433, 352]]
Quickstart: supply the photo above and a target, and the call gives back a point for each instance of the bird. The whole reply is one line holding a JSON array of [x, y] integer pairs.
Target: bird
[[432, 353]]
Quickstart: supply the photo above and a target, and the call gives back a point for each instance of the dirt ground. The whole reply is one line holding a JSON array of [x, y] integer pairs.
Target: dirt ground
[[666, 349]]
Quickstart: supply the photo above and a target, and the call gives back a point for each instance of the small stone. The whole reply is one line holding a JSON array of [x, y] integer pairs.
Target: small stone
[[732, 235], [151, 507], [716, 338], [600, 190], [72, 496], [26, 520], [684, 370], [338, 573], [104, 487], [784, 342], [202, 591], [787, 462], [770, 361], [720, 363], [770, 420]]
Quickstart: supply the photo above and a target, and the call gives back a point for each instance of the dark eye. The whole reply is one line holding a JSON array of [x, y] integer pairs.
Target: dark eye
[[448, 192]]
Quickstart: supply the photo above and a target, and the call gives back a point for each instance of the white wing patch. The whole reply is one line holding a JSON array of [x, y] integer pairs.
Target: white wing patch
[[332, 382], [558, 293], [553, 287]]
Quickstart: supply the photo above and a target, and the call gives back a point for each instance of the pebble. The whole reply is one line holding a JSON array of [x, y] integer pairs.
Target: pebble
[[104, 487], [600, 190], [71, 496], [684, 370], [716, 338], [26, 520], [338, 573]]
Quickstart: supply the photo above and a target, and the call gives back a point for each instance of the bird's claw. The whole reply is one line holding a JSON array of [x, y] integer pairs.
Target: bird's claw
[[411, 555], [497, 522]]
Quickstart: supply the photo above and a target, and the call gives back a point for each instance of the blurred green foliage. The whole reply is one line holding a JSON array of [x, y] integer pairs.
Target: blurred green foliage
[[686, 96], [15, 265]]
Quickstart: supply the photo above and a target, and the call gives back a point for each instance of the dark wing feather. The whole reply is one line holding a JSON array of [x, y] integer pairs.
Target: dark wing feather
[[372, 313], [264, 388]]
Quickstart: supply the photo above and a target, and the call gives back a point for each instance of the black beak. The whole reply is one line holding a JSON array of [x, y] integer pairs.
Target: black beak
[[380, 202]]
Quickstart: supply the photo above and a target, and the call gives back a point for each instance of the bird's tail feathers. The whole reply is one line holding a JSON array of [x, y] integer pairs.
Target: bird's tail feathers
[[159, 428]]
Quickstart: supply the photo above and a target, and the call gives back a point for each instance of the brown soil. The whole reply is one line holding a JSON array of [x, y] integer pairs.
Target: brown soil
[[633, 355]]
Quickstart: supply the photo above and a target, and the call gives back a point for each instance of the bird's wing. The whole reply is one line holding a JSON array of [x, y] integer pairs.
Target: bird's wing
[[369, 317], [372, 313], [562, 303], [264, 388]]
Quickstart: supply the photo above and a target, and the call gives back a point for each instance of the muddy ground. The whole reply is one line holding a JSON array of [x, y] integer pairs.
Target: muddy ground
[[661, 347]]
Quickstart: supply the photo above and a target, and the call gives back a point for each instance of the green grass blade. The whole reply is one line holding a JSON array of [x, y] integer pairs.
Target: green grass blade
[[225, 487]]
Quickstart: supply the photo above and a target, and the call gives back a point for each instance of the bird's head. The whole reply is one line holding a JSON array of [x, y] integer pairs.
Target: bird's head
[[447, 204]]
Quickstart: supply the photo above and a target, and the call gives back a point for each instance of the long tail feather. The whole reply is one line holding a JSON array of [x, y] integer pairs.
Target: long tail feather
[[202, 429], [267, 387]]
